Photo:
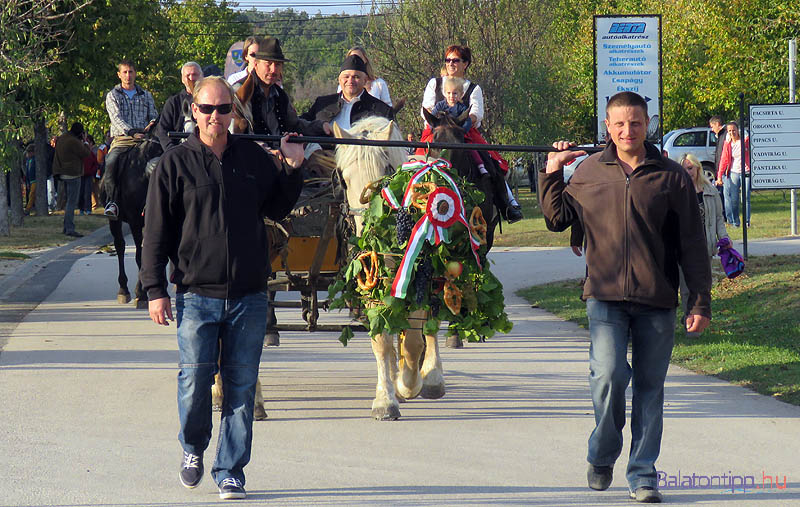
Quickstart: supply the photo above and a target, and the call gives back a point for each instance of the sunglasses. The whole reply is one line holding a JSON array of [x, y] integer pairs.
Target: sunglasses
[[210, 108], [453, 60]]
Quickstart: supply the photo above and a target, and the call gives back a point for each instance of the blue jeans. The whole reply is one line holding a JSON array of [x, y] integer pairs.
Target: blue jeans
[[732, 187], [651, 333], [72, 188], [231, 330]]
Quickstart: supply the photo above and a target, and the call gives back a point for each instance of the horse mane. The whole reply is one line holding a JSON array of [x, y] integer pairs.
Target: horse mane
[[368, 162]]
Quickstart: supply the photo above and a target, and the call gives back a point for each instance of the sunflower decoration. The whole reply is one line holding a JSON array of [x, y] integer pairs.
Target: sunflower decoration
[[423, 247]]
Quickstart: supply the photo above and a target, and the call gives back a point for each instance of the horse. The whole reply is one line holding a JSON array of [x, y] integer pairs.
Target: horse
[[134, 166], [414, 367], [446, 129]]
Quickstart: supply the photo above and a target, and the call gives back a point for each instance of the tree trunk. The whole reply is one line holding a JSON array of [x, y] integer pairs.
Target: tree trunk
[[15, 189], [41, 143], [5, 229]]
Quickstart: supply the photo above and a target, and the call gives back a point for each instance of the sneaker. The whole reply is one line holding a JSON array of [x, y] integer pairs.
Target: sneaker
[[599, 477], [514, 214], [74, 234], [192, 471], [231, 489], [111, 210], [646, 494]]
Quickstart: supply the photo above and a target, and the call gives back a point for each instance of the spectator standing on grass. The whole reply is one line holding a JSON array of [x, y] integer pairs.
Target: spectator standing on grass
[[730, 174], [639, 214], [717, 125], [71, 149], [711, 212], [30, 176], [89, 172]]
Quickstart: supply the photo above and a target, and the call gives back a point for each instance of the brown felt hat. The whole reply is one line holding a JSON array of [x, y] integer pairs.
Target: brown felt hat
[[270, 50]]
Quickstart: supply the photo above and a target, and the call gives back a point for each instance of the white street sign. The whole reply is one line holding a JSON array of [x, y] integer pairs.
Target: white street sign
[[775, 145]]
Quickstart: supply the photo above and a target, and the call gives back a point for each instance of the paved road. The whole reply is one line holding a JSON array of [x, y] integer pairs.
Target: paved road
[[88, 398]]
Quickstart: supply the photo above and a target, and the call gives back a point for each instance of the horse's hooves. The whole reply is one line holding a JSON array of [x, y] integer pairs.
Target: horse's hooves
[[432, 392], [259, 414], [454, 342], [272, 339], [390, 413], [141, 304], [123, 299]]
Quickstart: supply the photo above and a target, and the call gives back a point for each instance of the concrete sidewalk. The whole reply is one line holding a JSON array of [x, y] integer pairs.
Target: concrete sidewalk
[[88, 392]]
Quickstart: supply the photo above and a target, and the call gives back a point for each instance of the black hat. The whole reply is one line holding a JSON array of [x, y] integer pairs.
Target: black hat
[[270, 49], [354, 62]]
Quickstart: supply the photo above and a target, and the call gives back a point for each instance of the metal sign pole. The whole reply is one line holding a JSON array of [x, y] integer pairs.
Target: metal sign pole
[[745, 176], [792, 66]]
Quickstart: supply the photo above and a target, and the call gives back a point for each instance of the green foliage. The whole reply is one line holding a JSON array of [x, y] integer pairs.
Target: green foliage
[[480, 313]]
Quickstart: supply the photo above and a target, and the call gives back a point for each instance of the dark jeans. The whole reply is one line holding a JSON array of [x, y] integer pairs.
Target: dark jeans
[[650, 331], [231, 330], [71, 188], [110, 175], [85, 200]]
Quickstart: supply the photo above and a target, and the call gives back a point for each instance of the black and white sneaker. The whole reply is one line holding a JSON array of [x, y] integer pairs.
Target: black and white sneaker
[[111, 211], [192, 471], [231, 489]]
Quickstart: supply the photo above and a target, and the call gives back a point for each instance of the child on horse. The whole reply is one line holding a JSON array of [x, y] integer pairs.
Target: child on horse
[[455, 106]]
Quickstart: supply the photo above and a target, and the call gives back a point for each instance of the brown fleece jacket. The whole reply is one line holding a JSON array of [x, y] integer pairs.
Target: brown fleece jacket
[[638, 229]]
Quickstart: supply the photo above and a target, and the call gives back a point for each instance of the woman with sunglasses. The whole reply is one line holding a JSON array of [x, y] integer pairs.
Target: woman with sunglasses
[[456, 61]]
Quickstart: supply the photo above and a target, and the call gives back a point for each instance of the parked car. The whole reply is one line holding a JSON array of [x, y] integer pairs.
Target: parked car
[[699, 141]]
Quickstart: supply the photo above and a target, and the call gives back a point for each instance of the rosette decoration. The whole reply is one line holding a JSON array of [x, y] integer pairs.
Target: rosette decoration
[[419, 250]]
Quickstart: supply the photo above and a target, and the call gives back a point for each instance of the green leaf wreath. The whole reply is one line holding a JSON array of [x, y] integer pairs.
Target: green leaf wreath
[[448, 268]]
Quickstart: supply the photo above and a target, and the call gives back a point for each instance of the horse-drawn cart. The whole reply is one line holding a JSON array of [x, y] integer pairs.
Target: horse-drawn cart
[[307, 250]]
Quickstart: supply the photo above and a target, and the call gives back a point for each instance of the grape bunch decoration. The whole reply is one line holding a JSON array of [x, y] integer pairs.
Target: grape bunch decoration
[[404, 225]]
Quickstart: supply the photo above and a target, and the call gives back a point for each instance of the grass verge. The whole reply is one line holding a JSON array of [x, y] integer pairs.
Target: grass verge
[[754, 336], [770, 219], [45, 232]]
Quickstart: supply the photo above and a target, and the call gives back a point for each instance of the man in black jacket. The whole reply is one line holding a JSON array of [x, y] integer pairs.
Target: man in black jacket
[[177, 113], [273, 112], [717, 125], [205, 207], [353, 102]]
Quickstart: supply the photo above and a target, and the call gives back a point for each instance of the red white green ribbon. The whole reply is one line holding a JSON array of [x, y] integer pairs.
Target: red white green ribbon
[[445, 207]]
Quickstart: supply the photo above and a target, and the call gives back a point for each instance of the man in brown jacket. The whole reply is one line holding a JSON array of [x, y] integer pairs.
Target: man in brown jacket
[[71, 149], [640, 217]]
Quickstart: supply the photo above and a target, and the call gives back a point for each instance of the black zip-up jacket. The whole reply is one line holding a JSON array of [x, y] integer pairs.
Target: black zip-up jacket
[[638, 227], [206, 216], [173, 118]]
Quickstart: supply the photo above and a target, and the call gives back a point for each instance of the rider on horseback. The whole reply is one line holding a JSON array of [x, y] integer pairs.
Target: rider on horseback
[[177, 113], [132, 112]]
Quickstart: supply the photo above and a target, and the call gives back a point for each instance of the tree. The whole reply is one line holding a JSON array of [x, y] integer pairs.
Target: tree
[[35, 34], [409, 40]]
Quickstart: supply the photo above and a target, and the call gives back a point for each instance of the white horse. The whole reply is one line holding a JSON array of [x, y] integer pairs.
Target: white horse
[[413, 375]]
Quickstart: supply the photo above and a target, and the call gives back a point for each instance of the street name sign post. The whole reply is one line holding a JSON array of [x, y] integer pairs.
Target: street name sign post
[[775, 146]]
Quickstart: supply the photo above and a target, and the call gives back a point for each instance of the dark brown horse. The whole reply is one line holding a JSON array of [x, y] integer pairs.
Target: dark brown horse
[[134, 166]]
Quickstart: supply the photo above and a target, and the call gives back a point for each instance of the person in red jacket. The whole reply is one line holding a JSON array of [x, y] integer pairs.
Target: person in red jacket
[[730, 174]]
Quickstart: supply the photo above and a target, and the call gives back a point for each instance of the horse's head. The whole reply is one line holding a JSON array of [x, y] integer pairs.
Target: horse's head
[[445, 128], [362, 165]]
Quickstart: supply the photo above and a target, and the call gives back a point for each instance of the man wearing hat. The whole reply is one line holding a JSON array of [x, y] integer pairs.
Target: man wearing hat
[[351, 104], [273, 113]]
